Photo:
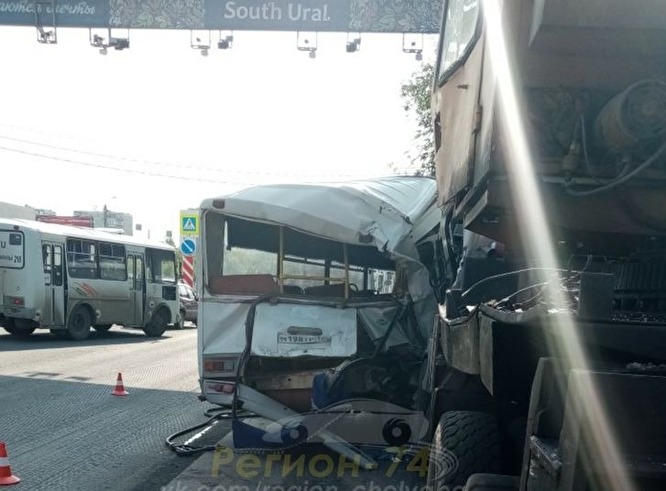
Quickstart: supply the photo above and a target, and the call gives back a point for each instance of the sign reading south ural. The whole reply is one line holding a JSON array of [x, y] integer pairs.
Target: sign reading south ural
[[400, 16]]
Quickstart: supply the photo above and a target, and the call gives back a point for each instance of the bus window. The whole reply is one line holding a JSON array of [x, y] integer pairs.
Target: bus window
[[244, 256], [46, 257], [81, 262], [303, 267], [161, 266], [112, 262], [139, 273], [135, 272], [52, 258], [130, 271], [57, 265]]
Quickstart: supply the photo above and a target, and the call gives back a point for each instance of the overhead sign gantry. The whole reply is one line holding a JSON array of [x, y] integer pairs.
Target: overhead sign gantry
[[225, 16], [401, 16]]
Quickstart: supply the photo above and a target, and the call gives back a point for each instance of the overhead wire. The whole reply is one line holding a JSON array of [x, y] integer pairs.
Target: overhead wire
[[119, 169], [184, 166], [147, 172], [114, 157]]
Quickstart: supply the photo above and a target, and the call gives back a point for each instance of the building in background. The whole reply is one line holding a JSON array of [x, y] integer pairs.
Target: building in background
[[109, 219], [106, 218], [8, 210], [77, 221]]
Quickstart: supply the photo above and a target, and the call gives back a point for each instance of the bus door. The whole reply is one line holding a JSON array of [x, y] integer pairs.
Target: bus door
[[136, 277], [54, 281]]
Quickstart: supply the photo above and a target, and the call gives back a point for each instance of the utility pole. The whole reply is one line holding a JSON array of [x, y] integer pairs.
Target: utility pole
[[105, 214]]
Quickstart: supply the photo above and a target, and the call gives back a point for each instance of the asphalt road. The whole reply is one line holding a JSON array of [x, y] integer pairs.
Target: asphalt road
[[64, 429]]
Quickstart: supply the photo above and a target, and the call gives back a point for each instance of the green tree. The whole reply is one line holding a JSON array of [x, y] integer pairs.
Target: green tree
[[416, 94]]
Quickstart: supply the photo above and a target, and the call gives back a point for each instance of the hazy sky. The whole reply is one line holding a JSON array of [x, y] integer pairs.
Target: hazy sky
[[79, 129]]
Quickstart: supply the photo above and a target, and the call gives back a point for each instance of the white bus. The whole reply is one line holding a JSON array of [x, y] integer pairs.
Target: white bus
[[312, 292], [69, 279]]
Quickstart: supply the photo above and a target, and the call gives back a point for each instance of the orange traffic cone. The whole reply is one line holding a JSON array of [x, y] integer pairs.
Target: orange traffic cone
[[6, 476], [120, 388]]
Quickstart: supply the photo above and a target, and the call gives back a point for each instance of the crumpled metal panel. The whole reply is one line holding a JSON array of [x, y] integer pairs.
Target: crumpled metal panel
[[379, 212], [378, 320], [224, 329]]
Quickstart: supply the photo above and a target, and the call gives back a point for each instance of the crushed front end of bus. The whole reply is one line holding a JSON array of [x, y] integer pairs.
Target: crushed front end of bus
[[316, 296]]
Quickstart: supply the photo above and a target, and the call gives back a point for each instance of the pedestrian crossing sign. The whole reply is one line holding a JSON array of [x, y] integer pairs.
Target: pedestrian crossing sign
[[189, 224]]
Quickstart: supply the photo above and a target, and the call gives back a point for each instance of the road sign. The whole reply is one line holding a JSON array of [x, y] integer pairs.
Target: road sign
[[188, 247], [399, 16], [189, 224], [188, 270]]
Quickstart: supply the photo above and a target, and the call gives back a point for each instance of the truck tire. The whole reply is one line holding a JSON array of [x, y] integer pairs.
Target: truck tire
[[492, 482], [157, 325], [464, 443], [79, 323]]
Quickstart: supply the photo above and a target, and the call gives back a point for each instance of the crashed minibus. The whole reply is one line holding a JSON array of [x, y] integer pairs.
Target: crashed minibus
[[316, 294]]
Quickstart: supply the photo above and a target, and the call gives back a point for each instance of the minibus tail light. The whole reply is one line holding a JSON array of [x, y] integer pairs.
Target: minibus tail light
[[219, 365], [221, 387]]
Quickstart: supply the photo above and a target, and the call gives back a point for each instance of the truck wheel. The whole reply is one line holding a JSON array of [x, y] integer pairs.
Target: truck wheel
[[464, 443], [78, 326], [157, 325], [492, 482]]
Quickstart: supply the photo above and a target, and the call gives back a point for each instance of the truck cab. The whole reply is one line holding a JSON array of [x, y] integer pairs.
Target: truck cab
[[590, 79]]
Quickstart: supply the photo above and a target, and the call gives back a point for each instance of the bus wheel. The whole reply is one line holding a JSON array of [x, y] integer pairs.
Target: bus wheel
[[20, 332], [78, 327], [181, 323], [157, 325], [21, 328]]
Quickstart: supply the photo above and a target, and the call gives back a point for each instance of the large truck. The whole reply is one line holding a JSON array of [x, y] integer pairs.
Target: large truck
[[546, 368]]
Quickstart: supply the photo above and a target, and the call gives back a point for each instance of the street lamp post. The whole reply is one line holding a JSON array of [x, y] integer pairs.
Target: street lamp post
[[105, 211]]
